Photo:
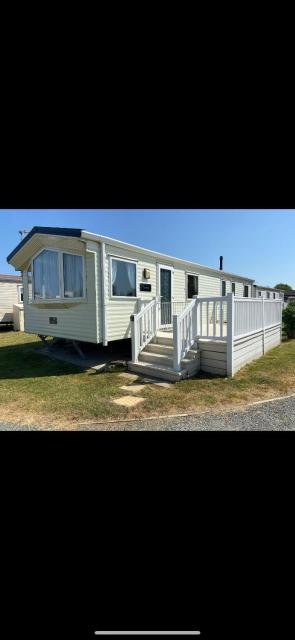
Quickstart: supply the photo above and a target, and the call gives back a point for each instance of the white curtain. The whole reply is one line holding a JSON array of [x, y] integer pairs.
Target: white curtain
[[46, 275], [131, 274], [114, 271], [73, 276]]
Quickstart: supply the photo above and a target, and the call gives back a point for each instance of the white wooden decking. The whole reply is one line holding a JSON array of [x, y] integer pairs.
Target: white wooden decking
[[216, 335]]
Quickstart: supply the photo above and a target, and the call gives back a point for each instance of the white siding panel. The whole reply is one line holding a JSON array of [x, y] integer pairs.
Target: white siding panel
[[179, 284], [239, 289], [213, 357], [8, 297], [209, 285], [251, 348]]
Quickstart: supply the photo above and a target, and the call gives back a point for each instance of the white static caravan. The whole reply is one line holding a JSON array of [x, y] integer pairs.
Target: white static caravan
[[11, 293], [86, 286], [91, 288], [270, 293]]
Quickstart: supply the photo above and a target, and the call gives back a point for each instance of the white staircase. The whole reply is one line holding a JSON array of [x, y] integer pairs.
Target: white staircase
[[156, 359]]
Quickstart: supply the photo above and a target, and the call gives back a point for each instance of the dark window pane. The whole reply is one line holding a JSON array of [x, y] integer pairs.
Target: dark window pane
[[233, 288], [223, 287], [123, 278], [246, 291], [192, 286]]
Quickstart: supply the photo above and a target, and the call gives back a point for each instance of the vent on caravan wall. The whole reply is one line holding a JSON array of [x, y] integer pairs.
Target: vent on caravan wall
[[221, 263]]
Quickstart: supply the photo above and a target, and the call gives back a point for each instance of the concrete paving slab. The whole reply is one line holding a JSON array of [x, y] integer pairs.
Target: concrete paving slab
[[128, 401], [129, 376], [132, 388], [158, 383]]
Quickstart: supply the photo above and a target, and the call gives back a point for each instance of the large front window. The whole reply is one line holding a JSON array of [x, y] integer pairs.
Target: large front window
[[57, 275], [123, 275]]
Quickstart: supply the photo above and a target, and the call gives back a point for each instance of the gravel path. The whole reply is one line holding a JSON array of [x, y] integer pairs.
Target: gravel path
[[278, 415]]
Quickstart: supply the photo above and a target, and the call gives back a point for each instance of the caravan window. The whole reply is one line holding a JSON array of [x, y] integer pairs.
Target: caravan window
[[20, 294], [123, 278], [192, 285], [46, 275], [58, 275], [73, 275]]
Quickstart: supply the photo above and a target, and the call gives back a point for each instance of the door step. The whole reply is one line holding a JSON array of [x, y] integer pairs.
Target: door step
[[158, 369], [164, 349], [156, 358], [155, 371]]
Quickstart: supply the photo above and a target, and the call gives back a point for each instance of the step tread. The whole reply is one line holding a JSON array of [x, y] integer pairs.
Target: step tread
[[162, 341], [153, 365], [153, 346], [165, 373], [158, 356]]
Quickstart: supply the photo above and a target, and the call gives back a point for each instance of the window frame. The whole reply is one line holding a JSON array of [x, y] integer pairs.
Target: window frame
[[192, 273], [221, 281], [20, 288], [61, 299], [119, 259], [79, 255]]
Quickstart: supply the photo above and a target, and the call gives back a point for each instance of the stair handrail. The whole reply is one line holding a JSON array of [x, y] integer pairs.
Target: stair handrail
[[184, 332], [144, 326]]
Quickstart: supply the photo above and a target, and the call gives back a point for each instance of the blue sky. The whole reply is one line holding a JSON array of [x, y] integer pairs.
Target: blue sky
[[255, 243]]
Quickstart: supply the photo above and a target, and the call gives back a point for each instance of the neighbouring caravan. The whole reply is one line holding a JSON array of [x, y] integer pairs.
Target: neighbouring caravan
[[269, 293], [182, 317], [11, 293]]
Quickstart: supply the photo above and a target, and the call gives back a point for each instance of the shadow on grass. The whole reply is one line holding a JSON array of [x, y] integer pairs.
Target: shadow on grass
[[30, 360]]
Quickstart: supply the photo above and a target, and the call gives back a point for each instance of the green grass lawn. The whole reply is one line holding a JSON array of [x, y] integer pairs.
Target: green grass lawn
[[37, 389]]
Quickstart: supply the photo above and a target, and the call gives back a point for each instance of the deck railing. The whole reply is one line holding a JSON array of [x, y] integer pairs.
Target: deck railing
[[144, 326], [184, 332], [255, 314], [169, 309], [212, 317]]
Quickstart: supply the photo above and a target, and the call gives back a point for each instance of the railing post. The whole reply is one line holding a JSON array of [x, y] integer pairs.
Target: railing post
[[195, 316], [263, 329], [230, 333], [176, 344], [134, 338], [157, 313]]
